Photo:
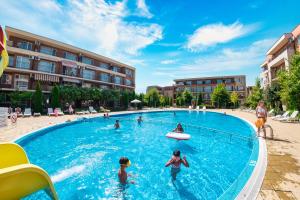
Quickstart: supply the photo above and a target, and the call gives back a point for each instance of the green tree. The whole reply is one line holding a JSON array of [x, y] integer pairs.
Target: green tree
[[55, 103], [272, 97], [141, 97], [220, 96], [290, 84], [19, 98], [125, 99], [234, 98], [38, 99], [199, 100], [161, 100], [256, 95], [179, 99], [187, 97], [152, 97]]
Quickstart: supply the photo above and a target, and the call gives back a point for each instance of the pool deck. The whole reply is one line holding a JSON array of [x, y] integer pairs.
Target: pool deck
[[282, 179]]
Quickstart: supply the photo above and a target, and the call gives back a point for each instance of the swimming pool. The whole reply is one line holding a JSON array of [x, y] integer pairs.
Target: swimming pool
[[82, 157]]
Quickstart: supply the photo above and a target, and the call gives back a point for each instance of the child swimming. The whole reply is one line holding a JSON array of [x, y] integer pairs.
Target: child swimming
[[117, 124], [122, 174], [175, 163], [178, 129], [139, 120]]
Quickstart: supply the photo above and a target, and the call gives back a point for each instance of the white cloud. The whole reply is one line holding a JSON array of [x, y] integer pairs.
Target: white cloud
[[95, 25], [224, 61], [142, 9], [213, 34], [167, 62]]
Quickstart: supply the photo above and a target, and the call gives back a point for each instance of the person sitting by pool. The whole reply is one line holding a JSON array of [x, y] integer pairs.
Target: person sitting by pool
[[139, 120], [175, 163], [117, 124], [178, 129], [122, 174]]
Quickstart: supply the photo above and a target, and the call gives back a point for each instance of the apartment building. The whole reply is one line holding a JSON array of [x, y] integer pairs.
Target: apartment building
[[168, 91], [34, 58], [206, 85], [279, 55]]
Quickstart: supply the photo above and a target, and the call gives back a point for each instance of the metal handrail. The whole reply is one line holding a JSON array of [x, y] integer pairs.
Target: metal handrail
[[186, 126]]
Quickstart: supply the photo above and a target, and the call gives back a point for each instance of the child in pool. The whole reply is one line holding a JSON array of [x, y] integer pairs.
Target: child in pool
[[122, 174], [117, 124], [175, 163], [178, 129], [139, 120]]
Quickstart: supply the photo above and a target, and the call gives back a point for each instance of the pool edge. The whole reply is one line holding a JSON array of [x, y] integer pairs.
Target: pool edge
[[250, 189]]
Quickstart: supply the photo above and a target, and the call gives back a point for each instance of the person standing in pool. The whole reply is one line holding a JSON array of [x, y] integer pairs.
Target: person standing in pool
[[122, 174], [178, 129], [139, 120], [175, 163], [117, 124]]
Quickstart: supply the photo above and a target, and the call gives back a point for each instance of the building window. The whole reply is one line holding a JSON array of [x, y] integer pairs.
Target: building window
[[48, 50], [206, 96], [199, 82], [207, 82], [207, 89], [88, 74], [118, 80], [87, 60], [6, 79], [229, 87], [25, 45], [116, 69], [21, 82], [199, 89], [228, 81], [129, 73], [128, 82], [219, 81], [70, 71], [11, 61], [46, 66], [189, 82], [23, 62], [104, 77], [104, 65], [70, 56], [240, 88]]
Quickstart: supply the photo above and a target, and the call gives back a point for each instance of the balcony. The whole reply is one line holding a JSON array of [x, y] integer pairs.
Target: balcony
[[281, 58]]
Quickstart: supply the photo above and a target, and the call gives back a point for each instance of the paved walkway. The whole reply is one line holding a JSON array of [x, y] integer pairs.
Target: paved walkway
[[282, 180]]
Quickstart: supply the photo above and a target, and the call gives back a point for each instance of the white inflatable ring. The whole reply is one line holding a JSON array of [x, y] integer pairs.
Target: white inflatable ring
[[178, 136]]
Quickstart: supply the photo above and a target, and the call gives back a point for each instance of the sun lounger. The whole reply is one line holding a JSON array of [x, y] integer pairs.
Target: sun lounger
[[197, 108], [204, 108], [50, 112], [190, 107], [36, 114], [92, 110], [271, 112], [59, 112], [27, 112], [291, 118], [277, 117], [79, 112], [18, 111], [103, 109]]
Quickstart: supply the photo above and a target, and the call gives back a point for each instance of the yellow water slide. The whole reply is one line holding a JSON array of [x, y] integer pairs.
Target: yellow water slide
[[19, 178], [3, 52]]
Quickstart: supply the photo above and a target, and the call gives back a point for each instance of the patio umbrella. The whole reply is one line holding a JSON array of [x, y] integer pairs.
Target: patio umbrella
[[135, 102]]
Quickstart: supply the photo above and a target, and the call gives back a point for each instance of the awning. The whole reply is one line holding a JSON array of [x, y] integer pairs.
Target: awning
[[46, 77], [72, 80], [68, 63]]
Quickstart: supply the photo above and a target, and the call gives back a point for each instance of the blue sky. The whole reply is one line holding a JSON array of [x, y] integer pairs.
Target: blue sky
[[163, 39]]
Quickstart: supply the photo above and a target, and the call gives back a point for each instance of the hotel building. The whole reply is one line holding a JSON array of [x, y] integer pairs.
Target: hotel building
[[279, 55], [205, 86], [167, 91], [34, 58]]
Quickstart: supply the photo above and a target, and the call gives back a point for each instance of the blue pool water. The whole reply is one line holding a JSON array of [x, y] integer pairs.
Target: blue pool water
[[82, 157]]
